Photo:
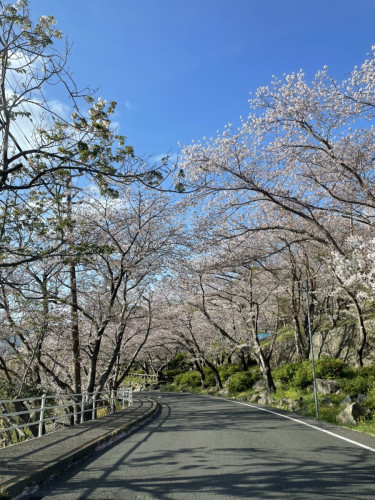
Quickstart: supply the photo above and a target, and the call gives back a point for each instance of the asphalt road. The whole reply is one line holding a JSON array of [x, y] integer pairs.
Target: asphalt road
[[201, 447]]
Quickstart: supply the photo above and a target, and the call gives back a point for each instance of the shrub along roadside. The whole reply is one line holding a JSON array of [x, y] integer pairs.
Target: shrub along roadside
[[240, 382], [294, 390], [299, 375]]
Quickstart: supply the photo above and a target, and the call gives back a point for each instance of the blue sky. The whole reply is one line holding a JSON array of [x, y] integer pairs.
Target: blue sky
[[182, 69]]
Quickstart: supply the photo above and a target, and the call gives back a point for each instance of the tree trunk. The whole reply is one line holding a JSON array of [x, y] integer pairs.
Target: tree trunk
[[264, 365], [218, 381], [75, 330], [361, 326], [362, 333], [243, 360], [201, 372], [300, 351]]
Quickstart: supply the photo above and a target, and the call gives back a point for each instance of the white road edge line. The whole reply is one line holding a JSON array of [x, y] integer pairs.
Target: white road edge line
[[300, 422]]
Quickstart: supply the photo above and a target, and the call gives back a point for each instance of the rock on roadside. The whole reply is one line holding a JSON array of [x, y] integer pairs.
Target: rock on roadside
[[351, 414], [326, 386]]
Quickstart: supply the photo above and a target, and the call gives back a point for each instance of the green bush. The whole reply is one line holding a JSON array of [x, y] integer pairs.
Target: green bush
[[229, 370], [209, 378], [299, 375], [285, 373], [367, 371], [303, 376], [370, 401], [242, 381], [187, 379], [348, 372], [353, 386], [329, 368], [133, 379], [170, 374], [178, 362]]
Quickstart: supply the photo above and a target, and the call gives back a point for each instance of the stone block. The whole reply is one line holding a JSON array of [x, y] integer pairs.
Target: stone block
[[326, 386], [260, 385], [326, 402], [265, 400], [347, 400], [254, 398], [351, 414], [361, 398]]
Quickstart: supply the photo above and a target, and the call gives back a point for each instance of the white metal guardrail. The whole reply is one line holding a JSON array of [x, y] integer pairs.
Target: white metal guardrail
[[144, 375], [28, 418]]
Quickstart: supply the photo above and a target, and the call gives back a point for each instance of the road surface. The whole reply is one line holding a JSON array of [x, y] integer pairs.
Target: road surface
[[203, 448]]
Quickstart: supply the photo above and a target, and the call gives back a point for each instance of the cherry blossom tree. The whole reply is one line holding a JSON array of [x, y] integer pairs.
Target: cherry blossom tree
[[45, 141], [128, 241], [300, 164], [51, 257]]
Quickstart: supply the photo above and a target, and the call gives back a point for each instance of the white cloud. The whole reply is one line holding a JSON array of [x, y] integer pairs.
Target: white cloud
[[172, 158], [129, 105], [60, 109]]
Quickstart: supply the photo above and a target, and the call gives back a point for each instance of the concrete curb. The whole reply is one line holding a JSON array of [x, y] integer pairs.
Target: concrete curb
[[15, 487]]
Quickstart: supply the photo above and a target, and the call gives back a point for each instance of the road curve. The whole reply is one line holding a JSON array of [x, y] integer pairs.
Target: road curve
[[202, 447]]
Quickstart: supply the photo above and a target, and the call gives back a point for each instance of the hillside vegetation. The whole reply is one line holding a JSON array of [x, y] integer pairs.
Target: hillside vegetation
[[294, 388]]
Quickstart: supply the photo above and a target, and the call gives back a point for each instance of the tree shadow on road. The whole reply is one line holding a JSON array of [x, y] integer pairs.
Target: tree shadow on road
[[220, 471]]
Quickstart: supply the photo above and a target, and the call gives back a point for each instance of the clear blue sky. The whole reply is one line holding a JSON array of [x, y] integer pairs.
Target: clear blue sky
[[182, 69]]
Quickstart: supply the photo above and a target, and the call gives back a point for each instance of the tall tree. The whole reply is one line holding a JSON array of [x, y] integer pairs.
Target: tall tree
[[40, 145], [301, 163]]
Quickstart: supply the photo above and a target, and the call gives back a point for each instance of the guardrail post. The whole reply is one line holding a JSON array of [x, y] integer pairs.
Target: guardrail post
[[93, 405], [123, 398], [112, 400], [83, 407], [41, 415], [75, 412]]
